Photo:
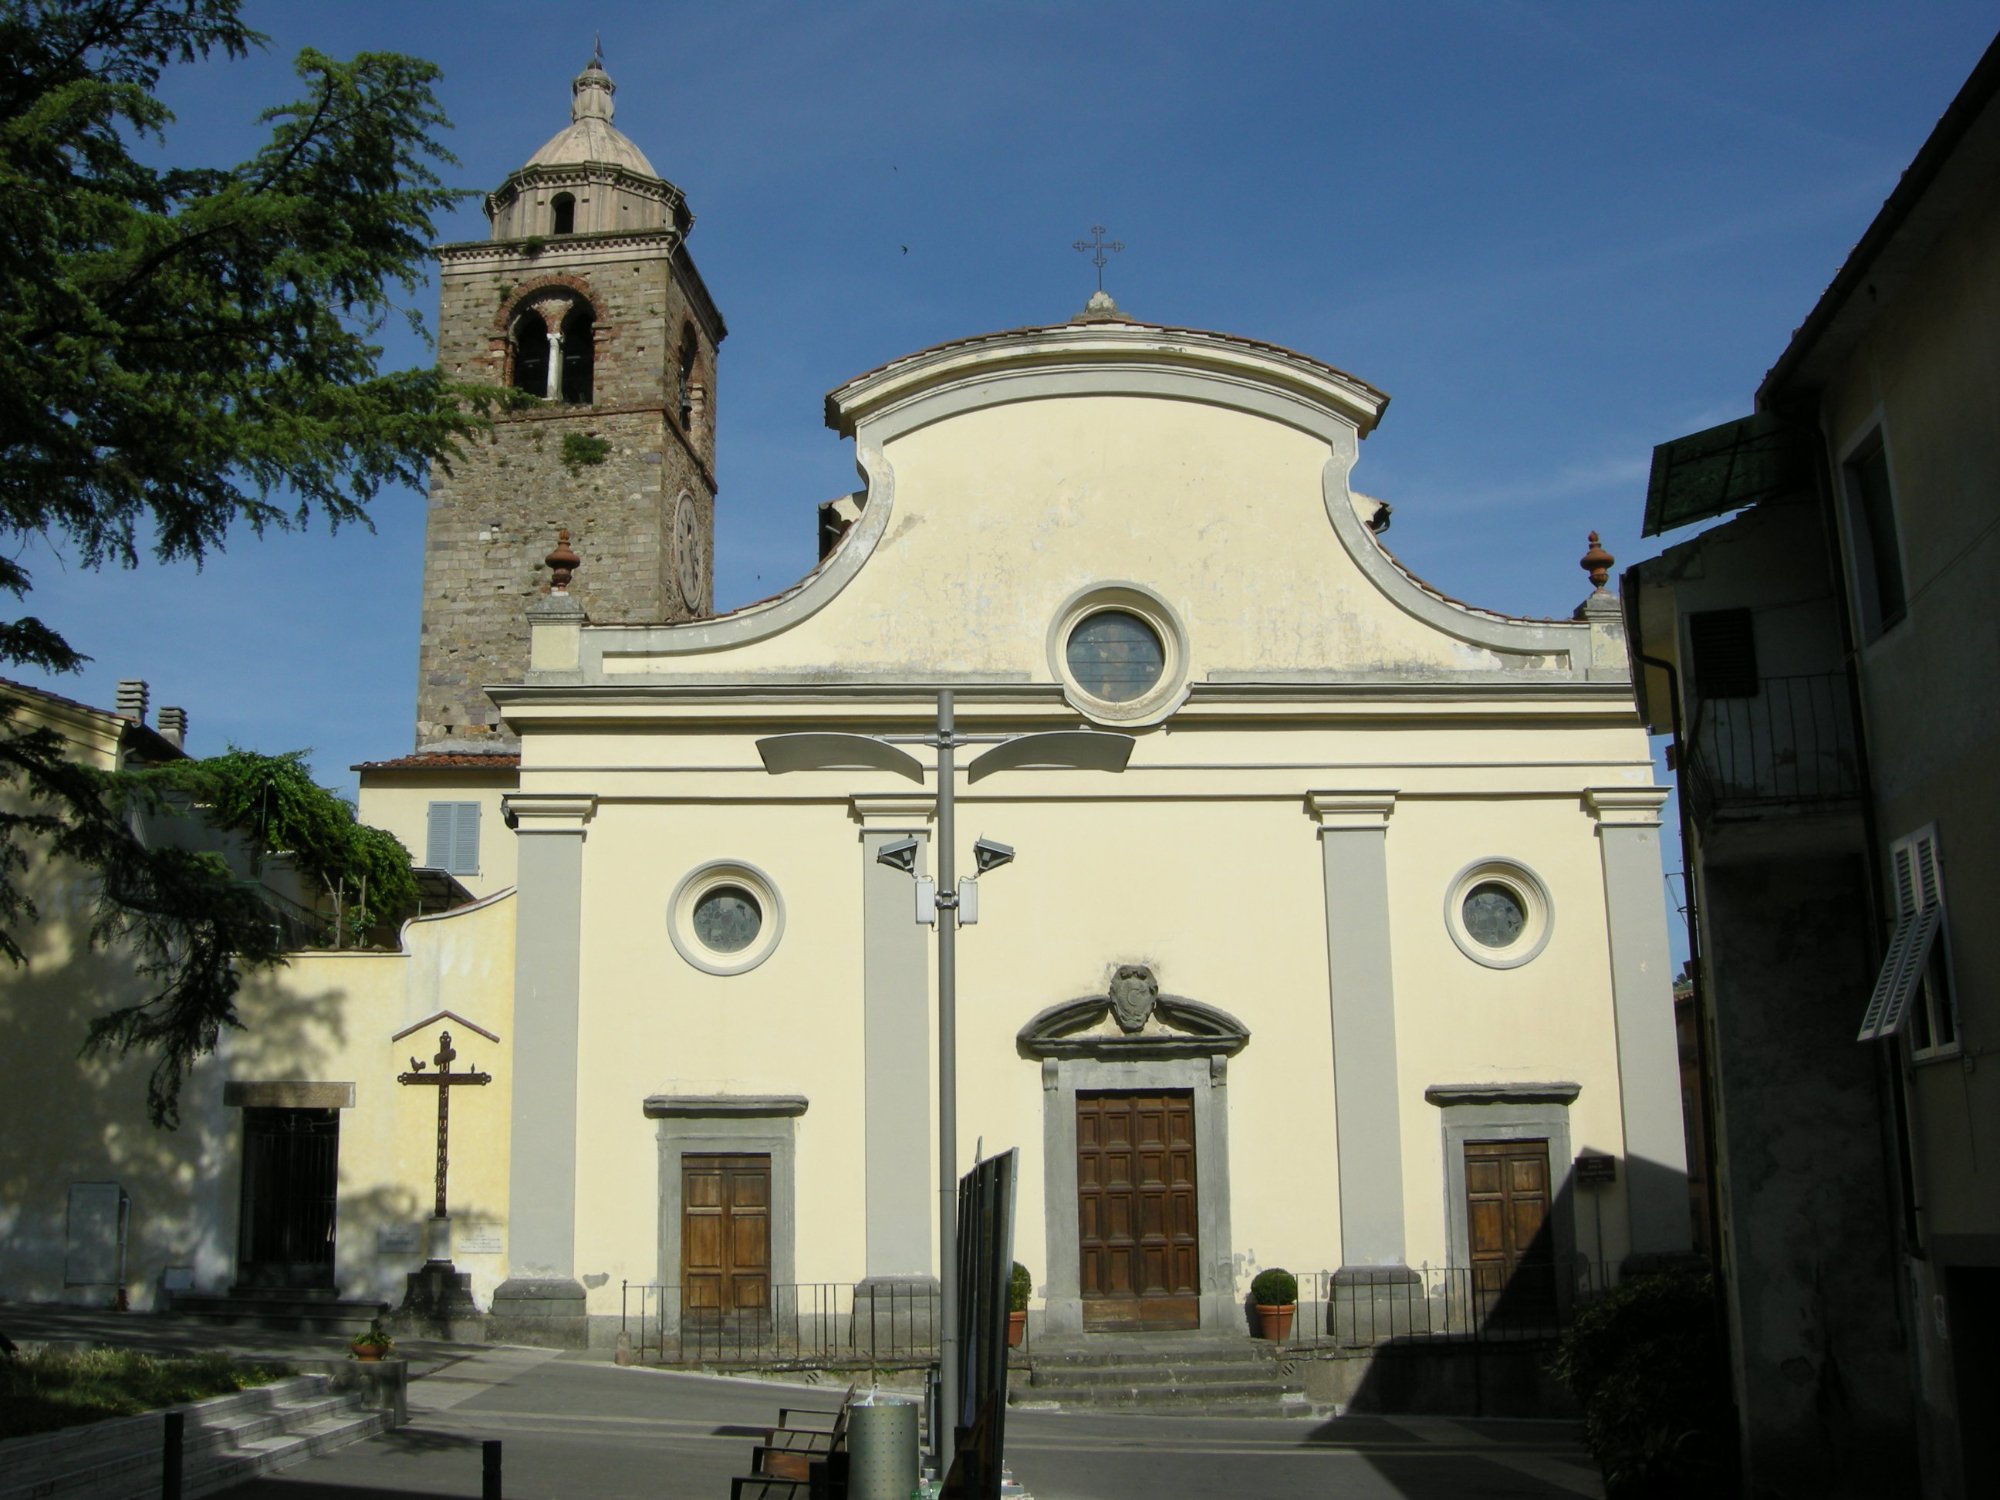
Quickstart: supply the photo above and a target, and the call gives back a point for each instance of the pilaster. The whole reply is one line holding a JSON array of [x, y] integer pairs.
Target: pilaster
[[541, 1301], [1354, 836], [1628, 838], [895, 1021]]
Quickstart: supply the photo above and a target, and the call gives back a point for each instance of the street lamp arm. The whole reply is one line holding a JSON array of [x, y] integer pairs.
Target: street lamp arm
[[1070, 749], [836, 752]]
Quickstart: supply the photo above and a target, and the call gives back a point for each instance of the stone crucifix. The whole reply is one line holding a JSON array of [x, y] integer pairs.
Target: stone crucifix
[[444, 1080]]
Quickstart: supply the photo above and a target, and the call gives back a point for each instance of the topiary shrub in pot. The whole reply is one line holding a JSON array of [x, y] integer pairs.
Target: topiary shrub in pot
[[1275, 1292], [1020, 1287]]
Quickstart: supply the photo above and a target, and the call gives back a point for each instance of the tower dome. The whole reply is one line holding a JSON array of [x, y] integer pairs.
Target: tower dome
[[590, 136], [588, 178]]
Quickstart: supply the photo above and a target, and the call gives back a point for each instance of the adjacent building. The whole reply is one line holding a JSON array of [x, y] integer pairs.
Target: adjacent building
[[1826, 661]]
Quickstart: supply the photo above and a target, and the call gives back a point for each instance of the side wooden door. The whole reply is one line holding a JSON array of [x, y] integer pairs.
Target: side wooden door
[[725, 1234], [1137, 1237], [1509, 1232], [291, 1177]]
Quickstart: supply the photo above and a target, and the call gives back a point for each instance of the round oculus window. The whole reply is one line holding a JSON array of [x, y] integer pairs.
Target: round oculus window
[[1498, 913], [727, 918], [1494, 915], [1116, 656]]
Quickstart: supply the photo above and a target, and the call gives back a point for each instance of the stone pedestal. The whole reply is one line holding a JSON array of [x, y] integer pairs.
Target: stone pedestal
[[895, 1315], [437, 1304], [546, 1312], [1373, 1304]]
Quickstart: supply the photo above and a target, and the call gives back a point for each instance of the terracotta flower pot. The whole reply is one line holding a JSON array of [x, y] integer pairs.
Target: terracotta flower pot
[[1275, 1323], [368, 1353], [1017, 1328]]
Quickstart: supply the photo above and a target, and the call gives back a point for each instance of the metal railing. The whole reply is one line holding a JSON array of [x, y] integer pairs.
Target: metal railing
[[807, 1324], [1792, 743], [1537, 1300]]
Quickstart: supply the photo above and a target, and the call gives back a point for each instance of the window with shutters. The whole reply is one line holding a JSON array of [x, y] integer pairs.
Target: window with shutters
[[453, 842], [1912, 992], [1873, 545], [1723, 643]]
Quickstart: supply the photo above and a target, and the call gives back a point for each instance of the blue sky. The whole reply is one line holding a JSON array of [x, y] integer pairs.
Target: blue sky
[[1555, 234]]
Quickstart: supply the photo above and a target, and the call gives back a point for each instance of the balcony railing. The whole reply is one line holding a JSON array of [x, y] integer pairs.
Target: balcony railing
[[1790, 744]]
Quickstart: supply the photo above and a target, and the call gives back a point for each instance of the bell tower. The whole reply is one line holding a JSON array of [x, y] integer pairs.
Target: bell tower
[[584, 306]]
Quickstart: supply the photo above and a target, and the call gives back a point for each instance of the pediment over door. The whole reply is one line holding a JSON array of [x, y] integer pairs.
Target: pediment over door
[[1132, 1021]]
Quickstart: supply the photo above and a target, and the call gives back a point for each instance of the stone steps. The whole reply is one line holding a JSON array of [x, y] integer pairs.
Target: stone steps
[[1236, 1374], [279, 1312], [225, 1441]]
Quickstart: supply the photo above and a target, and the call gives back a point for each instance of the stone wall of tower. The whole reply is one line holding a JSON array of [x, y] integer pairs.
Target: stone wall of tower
[[611, 472]]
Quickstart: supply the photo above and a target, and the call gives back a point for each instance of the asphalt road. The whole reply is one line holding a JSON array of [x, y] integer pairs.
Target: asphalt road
[[581, 1428]]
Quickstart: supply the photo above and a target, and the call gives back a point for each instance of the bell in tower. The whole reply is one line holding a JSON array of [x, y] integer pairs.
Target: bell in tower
[[586, 307]]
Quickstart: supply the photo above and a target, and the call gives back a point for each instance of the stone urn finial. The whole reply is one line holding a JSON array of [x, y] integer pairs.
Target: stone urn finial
[[563, 562], [1597, 563]]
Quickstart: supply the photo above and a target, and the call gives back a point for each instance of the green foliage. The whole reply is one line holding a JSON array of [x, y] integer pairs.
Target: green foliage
[[1275, 1287], [183, 349], [580, 448], [1647, 1366], [377, 1337], [42, 1392], [274, 801], [1020, 1287]]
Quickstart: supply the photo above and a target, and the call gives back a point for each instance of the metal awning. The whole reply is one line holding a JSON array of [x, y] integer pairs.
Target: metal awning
[[1726, 468], [1902, 967]]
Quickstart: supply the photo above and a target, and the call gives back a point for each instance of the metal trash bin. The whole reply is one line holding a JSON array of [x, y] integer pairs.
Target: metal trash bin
[[881, 1447]]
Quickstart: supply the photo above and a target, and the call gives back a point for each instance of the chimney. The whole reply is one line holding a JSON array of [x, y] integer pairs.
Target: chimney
[[132, 697], [174, 727]]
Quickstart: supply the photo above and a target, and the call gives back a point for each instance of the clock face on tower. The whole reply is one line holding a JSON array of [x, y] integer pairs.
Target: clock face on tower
[[690, 550]]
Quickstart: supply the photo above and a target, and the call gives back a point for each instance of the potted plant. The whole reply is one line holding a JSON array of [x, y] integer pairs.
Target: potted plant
[[1019, 1289], [374, 1344], [1276, 1295]]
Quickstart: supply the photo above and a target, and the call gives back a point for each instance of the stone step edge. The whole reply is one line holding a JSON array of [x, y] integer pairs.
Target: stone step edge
[[144, 1427], [1115, 1395], [1149, 1374], [263, 1456]]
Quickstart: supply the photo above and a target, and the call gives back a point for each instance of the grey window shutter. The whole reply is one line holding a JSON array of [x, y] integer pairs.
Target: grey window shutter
[[437, 843], [465, 840]]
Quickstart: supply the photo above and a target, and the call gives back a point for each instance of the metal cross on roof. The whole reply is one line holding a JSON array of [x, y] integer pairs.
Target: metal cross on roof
[[1099, 245], [442, 1080]]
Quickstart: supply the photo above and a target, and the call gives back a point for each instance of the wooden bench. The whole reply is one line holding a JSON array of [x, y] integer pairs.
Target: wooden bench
[[804, 1457]]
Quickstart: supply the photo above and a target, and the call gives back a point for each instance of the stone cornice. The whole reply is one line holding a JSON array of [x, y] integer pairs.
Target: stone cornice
[[1339, 812], [464, 251], [1442, 1094], [722, 1106], [883, 812], [1625, 806], [548, 812]]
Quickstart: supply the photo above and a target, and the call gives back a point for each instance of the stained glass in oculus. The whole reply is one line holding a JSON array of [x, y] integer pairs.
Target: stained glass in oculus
[[727, 919], [1494, 915], [1115, 656]]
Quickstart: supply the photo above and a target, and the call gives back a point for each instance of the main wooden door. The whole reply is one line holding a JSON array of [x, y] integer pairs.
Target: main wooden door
[[1135, 1181], [1509, 1231], [291, 1176], [725, 1234]]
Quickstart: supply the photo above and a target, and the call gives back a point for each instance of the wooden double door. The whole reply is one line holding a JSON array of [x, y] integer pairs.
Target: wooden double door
[[1136, 1211], [1509, 1231], [726, 1235]]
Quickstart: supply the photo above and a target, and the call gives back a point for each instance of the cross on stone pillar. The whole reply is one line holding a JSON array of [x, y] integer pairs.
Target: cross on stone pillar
[[443, 1080]]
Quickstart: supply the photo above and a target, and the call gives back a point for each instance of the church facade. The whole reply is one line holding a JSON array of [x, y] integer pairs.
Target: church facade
[[1355, 956]]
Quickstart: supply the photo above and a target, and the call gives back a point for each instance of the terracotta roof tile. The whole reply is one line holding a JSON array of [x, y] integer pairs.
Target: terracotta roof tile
[[442, 761]]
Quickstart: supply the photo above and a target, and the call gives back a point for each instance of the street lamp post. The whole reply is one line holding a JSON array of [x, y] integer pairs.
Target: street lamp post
[[1065, 748]]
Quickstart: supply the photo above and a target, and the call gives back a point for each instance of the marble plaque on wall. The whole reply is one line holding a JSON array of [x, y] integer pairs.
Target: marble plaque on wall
[[476, 1238], [398, 1239]]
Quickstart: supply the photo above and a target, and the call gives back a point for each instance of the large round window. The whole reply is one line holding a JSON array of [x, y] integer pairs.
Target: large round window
[[1120, 653], [1498, 913], [1115, 655], [725, 917]]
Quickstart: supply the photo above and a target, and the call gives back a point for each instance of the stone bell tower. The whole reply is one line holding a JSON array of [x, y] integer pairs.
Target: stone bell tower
[[585, 304]]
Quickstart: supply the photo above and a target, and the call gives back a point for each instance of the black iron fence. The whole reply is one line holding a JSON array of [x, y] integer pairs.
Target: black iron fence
[[807, 1324], [1792, 742], [1534, 1300]]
